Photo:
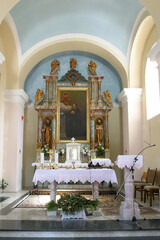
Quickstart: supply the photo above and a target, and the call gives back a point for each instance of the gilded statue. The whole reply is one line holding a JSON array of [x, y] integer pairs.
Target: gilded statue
[[47, 131], [39, 96], [107, 97], [73, 63], [54, 66], [99, 130], [92, 67]]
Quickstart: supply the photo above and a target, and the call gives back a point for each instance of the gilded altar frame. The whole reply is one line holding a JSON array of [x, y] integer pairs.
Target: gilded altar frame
[[80, 97]]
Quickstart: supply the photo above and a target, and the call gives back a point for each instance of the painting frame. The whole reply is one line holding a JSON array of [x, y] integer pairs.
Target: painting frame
[[81, 95]]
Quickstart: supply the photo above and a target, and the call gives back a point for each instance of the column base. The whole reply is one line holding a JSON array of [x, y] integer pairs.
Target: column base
[[127, 211]]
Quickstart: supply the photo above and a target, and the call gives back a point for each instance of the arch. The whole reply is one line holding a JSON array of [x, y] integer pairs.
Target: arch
[[135, 65], [71, 42]]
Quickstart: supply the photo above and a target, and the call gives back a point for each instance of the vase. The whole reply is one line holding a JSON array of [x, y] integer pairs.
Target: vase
[[52, 213], [76, 215]]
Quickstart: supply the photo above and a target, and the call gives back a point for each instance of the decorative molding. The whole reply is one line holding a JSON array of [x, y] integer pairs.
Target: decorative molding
[[16, 95], [130, 94]]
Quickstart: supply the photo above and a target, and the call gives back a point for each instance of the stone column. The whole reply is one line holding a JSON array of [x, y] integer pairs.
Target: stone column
[[39, 137], [47, 92], [99, 92], [54, 87], [92, 102], [92, 131], [131, 99], [53, 129], [13, 138]]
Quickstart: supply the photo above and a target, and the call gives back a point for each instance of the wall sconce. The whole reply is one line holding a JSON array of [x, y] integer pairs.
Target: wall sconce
[[2, 58]]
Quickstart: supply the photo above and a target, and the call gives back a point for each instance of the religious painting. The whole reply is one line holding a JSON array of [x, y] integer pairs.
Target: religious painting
[[73, 114]]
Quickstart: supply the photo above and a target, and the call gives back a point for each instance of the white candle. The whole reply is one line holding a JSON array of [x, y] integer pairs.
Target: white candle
[[42, 157], [56, 157]]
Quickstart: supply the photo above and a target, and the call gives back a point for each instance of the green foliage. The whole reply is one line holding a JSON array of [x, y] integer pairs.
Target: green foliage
[[100, 151], [3, 184], [72, 203], [51, 206]]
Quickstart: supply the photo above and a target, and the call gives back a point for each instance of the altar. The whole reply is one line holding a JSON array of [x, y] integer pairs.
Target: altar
[[94, 176]]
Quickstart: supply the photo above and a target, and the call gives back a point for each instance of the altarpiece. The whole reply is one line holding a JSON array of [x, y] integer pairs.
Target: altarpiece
[[72, 108]]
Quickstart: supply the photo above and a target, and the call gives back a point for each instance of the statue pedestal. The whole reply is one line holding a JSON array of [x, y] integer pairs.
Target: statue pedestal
[[73, 152]]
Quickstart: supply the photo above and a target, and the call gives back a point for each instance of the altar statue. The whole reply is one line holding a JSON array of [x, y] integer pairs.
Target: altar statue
[[47, 132], [99, 131], [92, 67], [39, 96], [107, 97], [54, 66], [73, 63]]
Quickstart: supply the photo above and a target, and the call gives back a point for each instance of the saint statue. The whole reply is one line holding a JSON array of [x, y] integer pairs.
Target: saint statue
[[54, 66], [47, 132], [92, 67], [107, 97], [99, 131], [73, 63], [39, 96]]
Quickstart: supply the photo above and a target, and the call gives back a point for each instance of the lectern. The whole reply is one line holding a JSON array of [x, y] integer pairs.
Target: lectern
[[129, 208]]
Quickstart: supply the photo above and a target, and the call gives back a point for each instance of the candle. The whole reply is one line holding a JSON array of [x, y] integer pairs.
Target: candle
[[42, 157], [56, 157]]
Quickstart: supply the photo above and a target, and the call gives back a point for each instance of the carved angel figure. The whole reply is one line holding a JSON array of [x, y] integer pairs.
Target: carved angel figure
[[54, 66], [92, 67], [73, 63], [39, 96], [107, 97]]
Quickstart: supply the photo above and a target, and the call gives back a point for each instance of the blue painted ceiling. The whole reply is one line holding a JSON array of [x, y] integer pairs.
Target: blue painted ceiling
[[111, 20]]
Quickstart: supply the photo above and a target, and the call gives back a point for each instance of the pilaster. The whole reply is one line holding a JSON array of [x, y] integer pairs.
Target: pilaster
[[15, 100]]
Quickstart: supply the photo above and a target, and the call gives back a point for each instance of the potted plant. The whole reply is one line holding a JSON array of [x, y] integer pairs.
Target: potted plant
[[3, 184], [74, 205], [100, 152], [51, 208]]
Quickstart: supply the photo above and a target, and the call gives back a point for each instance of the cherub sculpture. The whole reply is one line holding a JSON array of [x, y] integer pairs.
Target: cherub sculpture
[[39, 96]]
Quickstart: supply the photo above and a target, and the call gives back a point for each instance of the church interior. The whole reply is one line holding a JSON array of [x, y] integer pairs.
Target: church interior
[[80, 113]]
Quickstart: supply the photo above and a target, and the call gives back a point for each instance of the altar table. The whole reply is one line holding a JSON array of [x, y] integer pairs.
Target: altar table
[[94, 176]]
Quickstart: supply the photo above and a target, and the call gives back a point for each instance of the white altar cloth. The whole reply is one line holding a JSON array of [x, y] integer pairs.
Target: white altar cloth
[[128, 160], [105, 162], [75, 175]]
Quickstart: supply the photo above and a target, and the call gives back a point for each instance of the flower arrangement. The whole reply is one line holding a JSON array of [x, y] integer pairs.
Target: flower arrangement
[[51, 206], [86, 151], [3, 184], [100, 151], [45, 150], [72, 203], [61, 151]]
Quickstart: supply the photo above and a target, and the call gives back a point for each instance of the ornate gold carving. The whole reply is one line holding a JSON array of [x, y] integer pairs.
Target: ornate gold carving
[[99, 102], [106, 144], [39, 114], [54, 66], [39, 144], [99, 130], [92, 115], [92, 67], [39, 96], [73, 81], [106, 115], [92, 144], [73, 63], [107, 97], [54, 114]]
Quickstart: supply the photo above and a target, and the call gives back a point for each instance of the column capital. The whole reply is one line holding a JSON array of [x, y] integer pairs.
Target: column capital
[[16, 95], [130, 94]]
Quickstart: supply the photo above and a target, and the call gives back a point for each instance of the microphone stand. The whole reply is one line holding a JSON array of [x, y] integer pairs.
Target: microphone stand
[[132, 171]]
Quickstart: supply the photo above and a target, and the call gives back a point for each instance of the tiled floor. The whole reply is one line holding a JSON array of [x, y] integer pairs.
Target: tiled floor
[[19, 222]]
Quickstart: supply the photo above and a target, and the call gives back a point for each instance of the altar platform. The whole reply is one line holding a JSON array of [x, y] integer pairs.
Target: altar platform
[[29, 223]]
